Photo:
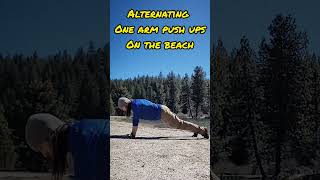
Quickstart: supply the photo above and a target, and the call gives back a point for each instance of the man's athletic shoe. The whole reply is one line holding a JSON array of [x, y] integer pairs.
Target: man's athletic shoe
[[206, 134], [195, 135]]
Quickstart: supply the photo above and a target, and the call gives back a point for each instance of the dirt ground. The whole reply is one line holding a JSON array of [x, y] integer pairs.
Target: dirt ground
[[157, 153]]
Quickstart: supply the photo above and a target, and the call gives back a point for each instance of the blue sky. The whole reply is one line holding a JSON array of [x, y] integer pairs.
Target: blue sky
[[233, 19], [131, 63], [51, 26]]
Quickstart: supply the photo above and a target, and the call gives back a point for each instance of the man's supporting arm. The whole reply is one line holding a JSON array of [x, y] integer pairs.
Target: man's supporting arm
[[134, 131], [135, 122]]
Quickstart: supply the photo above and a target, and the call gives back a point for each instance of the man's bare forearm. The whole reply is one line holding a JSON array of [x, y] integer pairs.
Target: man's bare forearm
[[134, 131]]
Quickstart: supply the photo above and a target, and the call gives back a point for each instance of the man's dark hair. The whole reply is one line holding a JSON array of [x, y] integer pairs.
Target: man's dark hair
[[60, 149]]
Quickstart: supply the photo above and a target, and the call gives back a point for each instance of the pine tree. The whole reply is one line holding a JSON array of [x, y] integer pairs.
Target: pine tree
[[282, 79], [185, 95], [89, 102], [6, 143], [246, 98], [315, 99], [206, 101], [159, 93], [220, 83], [172, 92], [198, 89]]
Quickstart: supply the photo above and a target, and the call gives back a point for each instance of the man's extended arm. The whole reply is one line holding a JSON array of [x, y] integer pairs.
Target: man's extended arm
[[134, 131], [135, 122]]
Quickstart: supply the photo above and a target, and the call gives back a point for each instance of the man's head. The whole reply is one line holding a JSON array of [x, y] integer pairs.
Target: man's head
[[39, 129], [123, 103]]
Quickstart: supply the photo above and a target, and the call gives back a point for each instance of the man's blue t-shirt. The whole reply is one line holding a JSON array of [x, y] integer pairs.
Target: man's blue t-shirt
[[89, 146], [144, 109]]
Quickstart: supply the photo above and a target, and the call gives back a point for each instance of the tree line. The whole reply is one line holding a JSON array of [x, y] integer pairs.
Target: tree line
[[188, 95], [67, 86], [265, 104]]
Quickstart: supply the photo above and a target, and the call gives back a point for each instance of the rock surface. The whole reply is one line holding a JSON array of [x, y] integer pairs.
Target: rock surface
[[157, 153]]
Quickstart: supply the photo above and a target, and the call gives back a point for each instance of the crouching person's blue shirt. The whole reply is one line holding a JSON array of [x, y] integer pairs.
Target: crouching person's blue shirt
[[89, 146], [144, 109]]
